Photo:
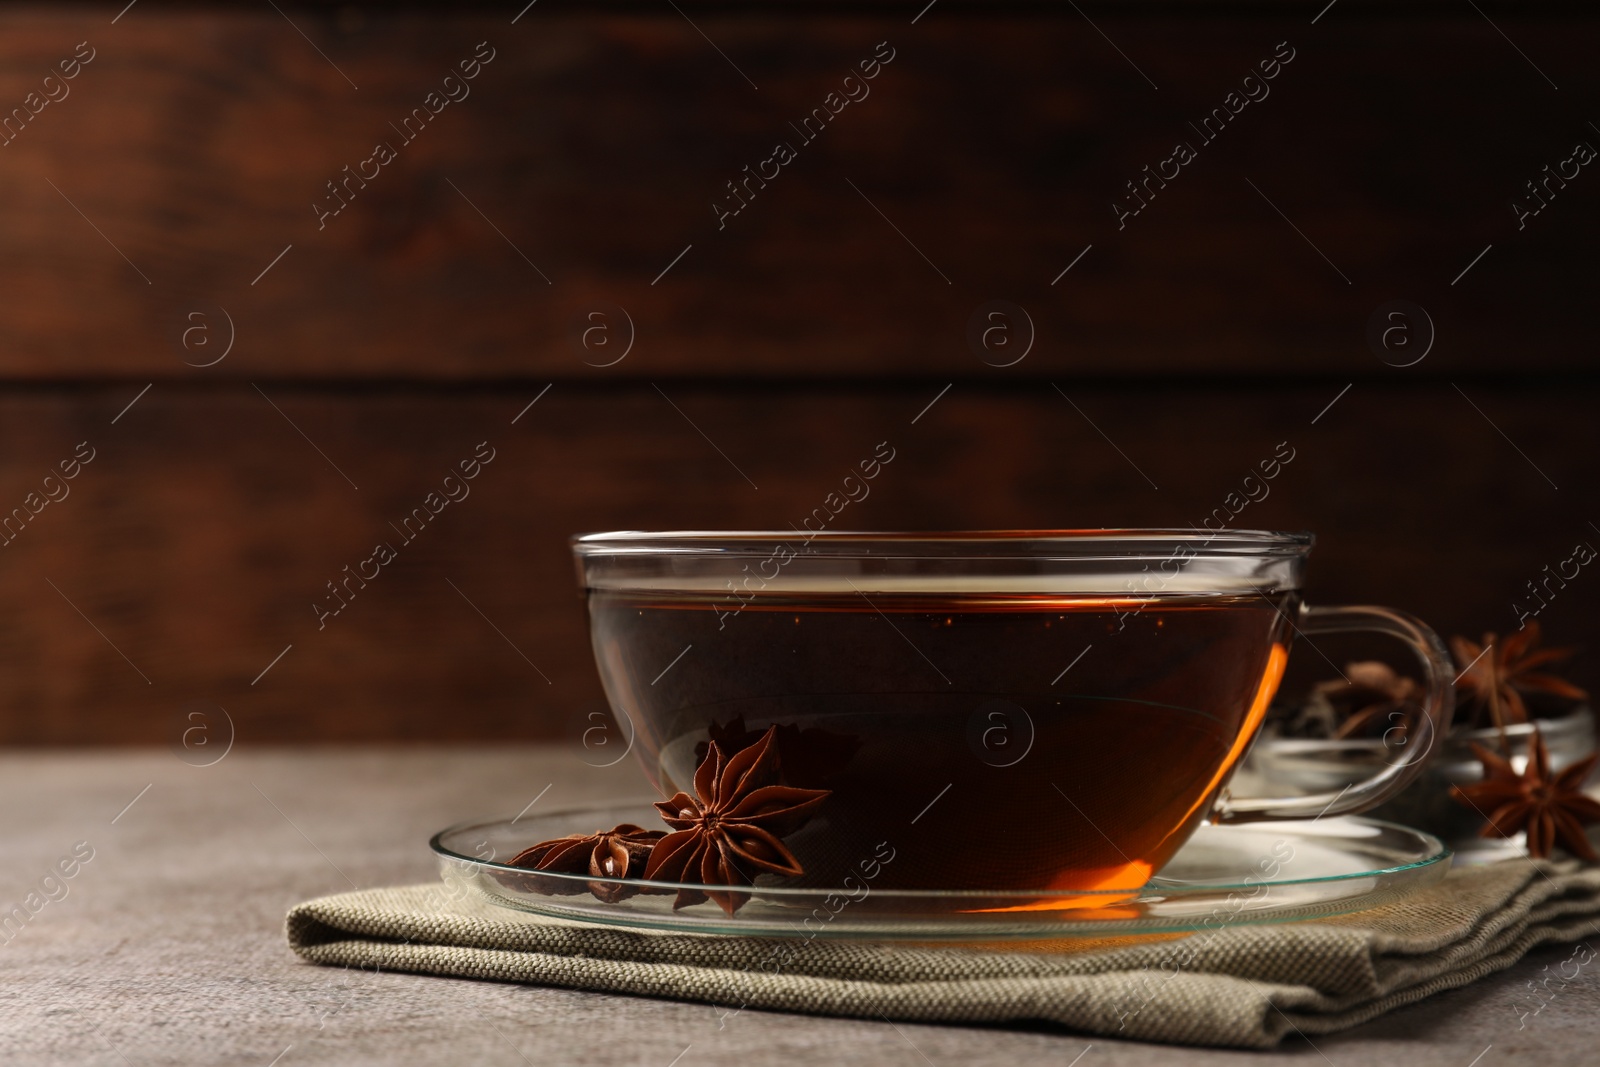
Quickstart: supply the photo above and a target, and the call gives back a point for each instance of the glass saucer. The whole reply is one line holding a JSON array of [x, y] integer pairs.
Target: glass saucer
[[1224, 876]]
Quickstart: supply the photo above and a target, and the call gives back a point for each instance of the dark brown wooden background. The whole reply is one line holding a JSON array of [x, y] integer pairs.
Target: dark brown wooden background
[[415, 325]]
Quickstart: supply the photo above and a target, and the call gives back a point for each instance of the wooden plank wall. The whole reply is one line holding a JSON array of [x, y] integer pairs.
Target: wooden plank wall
[[300, 379]]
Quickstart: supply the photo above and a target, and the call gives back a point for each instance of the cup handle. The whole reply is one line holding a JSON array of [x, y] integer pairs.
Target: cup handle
[[1423, 725]]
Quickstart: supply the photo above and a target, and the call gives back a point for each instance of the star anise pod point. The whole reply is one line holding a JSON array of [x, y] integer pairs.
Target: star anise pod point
[[1498, 674], [1551, 808], [731, 829], [620, 852]]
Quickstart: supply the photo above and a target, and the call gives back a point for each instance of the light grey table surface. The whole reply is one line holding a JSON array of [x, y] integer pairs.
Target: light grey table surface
[[168, 946]]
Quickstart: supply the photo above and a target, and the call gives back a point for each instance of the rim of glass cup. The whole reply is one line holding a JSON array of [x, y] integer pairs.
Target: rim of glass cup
[[1095, 562], [1130, 543]]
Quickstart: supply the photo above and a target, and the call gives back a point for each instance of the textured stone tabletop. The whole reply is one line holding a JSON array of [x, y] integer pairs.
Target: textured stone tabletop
[[168, 944]]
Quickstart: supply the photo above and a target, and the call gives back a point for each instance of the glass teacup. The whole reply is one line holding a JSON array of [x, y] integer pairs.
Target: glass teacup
[[1012, 710]]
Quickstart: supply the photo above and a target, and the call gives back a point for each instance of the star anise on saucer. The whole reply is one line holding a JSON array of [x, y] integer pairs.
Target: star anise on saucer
[[620, 852], [730, 832], [1497, 674], [1552, 809]]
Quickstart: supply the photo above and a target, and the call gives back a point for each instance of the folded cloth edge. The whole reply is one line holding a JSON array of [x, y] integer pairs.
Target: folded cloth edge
[[1367, 963]]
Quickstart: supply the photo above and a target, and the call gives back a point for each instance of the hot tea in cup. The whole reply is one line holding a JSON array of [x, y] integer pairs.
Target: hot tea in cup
[[1018, 711]]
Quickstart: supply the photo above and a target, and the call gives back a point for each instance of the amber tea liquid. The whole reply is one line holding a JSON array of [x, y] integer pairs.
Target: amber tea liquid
[[952, 727]]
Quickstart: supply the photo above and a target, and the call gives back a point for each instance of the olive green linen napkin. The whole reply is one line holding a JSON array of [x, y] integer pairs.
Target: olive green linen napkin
[[1243, 986]]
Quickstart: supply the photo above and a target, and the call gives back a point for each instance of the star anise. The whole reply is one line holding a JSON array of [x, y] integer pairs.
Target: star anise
[[731, 831], [1552, 809], [1496, 675], [620, 852], [1377, 697]]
